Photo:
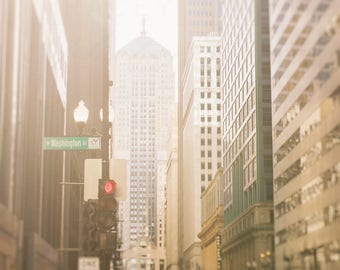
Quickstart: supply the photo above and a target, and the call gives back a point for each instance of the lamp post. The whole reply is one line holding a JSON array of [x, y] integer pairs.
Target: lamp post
[[80, 115], [266, 260]]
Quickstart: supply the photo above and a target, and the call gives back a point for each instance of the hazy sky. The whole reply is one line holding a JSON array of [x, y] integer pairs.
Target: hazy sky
[[160, 22]]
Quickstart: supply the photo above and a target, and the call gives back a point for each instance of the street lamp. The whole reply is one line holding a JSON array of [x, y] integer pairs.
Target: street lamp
[[80, 115], [266, 259]]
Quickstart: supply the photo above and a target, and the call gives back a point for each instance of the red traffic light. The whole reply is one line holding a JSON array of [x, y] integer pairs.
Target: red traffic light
[[109, 187]]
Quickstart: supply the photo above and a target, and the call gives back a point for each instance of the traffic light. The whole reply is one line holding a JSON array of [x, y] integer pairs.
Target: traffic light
[[89, 227], [107, 204], [92, 209]]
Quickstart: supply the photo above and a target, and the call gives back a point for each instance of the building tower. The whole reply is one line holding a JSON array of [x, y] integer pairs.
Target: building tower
[[247, 142], [305, 55], [201, 137], [143, 104], [195, 18]]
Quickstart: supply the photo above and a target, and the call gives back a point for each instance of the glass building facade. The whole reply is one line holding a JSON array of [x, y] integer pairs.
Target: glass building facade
[[305, 54], [247, 142]]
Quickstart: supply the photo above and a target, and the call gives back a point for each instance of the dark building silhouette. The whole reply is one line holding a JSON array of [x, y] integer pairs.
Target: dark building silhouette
[[52, 54]]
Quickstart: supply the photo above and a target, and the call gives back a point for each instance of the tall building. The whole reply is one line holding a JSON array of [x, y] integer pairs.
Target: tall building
[[143, 103], [47, 64], [33, 95], [247, 142], [195, 18], [305, 55], [201, 137]]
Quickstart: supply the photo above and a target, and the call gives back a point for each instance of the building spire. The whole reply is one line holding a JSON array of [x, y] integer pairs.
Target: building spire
[[143, 33]]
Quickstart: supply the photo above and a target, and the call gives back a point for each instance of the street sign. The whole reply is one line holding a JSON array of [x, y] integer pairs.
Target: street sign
[[88, 263], [72, 143]]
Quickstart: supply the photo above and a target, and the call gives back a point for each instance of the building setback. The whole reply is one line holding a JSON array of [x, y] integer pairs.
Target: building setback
[[305, 55], [143, 103], [247, 143]]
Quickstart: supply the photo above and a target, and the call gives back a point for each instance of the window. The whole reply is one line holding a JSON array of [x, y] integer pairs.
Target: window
[[202, 177], [202, 130], [209, 165], [209, 153]]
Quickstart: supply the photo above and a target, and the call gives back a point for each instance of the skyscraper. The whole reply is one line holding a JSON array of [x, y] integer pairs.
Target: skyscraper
[[201, 137], [195, 18], [305, 55], [247, 142], [143, 103]]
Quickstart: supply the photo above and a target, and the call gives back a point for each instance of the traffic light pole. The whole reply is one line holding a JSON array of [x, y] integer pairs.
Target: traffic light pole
[[105, 257]]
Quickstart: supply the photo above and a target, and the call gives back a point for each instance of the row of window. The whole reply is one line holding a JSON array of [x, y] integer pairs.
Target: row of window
[[310, 191], [316, 221], [210, 95], [309, 158], [208, 49], [208, 130]]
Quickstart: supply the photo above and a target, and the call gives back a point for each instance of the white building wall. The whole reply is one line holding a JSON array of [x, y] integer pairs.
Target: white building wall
[[201, 136]]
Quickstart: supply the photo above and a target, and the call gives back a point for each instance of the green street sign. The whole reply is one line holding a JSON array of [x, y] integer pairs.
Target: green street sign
[[72, 143]]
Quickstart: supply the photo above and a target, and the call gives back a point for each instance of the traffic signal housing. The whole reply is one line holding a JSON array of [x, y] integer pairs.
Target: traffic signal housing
[[107, 205], [89, 227]]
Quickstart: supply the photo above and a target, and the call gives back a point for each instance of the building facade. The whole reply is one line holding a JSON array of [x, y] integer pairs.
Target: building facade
[[201, 137], [172, 204], [33, 94], [305, 59], [247, 144], [195, 18], [143, 103], [46, 68], [212, 223]]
